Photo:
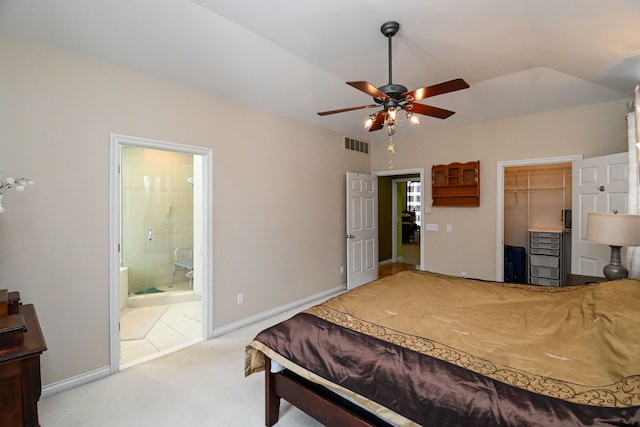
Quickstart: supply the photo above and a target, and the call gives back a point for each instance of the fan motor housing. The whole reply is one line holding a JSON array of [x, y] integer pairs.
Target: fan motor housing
[[393, 91]]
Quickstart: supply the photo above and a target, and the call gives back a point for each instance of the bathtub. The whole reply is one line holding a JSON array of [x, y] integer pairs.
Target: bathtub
[[162, 298]]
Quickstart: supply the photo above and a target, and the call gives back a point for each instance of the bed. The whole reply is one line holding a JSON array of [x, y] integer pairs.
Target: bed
[[419, 348]]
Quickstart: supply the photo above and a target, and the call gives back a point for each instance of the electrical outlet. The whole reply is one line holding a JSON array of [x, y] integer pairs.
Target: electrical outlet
[[342, 269], [240, 298], [449, 228], [463, 274]]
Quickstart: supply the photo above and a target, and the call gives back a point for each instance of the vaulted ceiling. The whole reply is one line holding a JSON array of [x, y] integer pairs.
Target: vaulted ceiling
[[293, 57]]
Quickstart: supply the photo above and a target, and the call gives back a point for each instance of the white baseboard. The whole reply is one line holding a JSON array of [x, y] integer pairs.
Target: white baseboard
[[269, 313], [76, 381], [105, 371]]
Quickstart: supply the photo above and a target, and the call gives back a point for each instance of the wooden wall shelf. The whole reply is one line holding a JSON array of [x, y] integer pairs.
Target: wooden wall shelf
[[456, 184]]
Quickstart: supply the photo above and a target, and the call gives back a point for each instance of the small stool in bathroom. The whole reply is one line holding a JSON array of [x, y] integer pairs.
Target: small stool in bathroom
[[182, 260]]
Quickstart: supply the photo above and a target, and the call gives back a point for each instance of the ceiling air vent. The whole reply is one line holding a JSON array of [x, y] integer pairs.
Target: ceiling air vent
[[355, 145]]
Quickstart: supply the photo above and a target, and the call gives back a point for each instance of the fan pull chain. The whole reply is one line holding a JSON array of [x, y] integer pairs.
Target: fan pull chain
[[392, 150]]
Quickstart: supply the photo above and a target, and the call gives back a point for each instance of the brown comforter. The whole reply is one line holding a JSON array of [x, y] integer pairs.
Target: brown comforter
[[427, 349]]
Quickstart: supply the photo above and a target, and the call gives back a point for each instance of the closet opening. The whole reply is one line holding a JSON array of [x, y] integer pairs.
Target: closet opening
[[537, 223]]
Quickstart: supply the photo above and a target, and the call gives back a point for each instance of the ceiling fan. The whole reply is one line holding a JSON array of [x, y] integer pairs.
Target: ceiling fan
[[394, 97]]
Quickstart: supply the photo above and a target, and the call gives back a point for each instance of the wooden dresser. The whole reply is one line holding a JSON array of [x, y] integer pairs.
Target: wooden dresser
[[21, 344]]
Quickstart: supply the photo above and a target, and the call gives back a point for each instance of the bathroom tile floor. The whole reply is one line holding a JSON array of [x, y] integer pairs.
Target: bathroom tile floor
[[178, 326]]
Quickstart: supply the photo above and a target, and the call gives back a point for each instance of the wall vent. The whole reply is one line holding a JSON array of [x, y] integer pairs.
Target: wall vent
[[355, 145]]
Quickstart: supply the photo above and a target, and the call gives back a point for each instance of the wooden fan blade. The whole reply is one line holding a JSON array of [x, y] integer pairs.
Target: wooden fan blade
[[439, 89], [378, 123], [369, 89], [342, 110], [429, 110]]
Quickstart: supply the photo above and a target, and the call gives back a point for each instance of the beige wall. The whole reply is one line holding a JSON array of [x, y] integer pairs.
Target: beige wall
[[279, 240], [591, 131], [278, 185]]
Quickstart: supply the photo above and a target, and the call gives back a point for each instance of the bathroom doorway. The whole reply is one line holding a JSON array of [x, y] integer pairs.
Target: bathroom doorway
[[160, 198]]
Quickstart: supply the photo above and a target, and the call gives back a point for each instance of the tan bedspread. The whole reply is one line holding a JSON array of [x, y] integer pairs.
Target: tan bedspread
[[580, 344], [586, 335]]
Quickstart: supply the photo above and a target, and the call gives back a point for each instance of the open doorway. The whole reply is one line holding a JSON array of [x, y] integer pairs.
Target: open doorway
[[408, 209], [400, 192], [160, 255]]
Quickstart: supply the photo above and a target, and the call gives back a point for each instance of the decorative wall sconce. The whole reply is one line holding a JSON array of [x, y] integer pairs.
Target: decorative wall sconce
[[17, 184]]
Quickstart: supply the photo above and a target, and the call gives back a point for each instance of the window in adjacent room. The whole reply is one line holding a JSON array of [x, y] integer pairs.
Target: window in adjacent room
[[413, 199]]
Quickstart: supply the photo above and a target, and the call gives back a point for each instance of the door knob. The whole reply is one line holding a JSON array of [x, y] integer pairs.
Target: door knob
[[601, 188]]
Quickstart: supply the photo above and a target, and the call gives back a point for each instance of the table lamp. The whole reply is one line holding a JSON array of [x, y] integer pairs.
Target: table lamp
[[616, 230]]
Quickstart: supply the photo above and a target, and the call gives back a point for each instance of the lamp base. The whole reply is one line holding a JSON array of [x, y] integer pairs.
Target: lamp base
[[615, 270]]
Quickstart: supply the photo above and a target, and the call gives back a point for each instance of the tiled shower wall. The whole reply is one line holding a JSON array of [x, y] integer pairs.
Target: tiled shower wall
[[155, 196]]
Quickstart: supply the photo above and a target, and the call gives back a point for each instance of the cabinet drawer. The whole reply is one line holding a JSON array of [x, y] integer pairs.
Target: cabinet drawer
[[555, 239], [544, 234], [544, 282], [555, 246], [551, 252], [545, 272], [545, 261]]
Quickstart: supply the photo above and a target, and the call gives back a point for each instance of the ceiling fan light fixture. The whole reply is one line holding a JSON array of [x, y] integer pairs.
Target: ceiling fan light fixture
[[391, 129], [392, 114], [413, 119], [369, 121], [395, 97]]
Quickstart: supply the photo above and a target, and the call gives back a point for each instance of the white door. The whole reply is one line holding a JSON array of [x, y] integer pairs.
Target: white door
[[362, 229], [599, 185]]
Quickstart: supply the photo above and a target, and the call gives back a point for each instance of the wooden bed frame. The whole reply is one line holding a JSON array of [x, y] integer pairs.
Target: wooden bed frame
[[313, 399]]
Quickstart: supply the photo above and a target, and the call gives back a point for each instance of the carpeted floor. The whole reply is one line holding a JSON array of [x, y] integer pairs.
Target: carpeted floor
[[203, 385]]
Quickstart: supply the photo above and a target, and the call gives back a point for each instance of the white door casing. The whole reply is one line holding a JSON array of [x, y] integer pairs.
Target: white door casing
[[599, 185], [205, 231], [362, 229]]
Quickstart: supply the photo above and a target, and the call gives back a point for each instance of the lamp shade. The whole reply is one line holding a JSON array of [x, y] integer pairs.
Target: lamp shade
[[613, 229]]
